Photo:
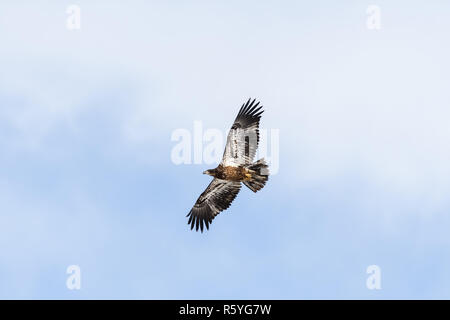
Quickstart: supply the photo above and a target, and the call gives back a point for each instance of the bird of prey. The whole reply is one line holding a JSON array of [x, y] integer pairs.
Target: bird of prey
[[236, 166]]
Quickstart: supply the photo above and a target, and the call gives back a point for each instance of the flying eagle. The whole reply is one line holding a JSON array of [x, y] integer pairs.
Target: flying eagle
[[236, 166]]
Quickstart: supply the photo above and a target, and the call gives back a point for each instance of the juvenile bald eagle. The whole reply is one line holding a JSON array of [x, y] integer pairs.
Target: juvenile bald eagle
[[236, 166]]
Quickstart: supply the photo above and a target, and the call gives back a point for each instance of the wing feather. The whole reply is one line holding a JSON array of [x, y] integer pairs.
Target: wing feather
[[243, 138], [217, 197]]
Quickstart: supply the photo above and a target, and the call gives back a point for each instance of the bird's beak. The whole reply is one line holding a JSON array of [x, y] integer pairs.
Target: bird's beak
[[205, 172]]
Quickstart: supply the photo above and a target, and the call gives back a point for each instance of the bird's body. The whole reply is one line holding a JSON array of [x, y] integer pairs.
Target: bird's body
[[237, 174], [236, 167]]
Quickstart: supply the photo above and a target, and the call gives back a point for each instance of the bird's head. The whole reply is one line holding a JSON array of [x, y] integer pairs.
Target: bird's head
[[209, 172]]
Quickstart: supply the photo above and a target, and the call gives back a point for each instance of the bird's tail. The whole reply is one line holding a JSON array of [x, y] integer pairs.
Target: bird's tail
[[259, 175]]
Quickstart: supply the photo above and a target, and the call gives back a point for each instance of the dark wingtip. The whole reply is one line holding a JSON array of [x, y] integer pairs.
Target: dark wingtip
[[244, 107]]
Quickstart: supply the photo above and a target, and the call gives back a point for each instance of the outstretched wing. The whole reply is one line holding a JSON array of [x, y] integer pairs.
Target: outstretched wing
[[243, 138], [216, 198]]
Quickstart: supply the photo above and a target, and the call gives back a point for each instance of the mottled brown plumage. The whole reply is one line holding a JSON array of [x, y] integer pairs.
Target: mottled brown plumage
[[238, 174]]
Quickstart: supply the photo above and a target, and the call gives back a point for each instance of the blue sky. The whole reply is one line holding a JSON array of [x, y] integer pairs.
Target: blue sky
[[86, 177]]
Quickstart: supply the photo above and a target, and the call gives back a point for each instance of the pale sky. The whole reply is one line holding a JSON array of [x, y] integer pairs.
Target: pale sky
[[86, 177]]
